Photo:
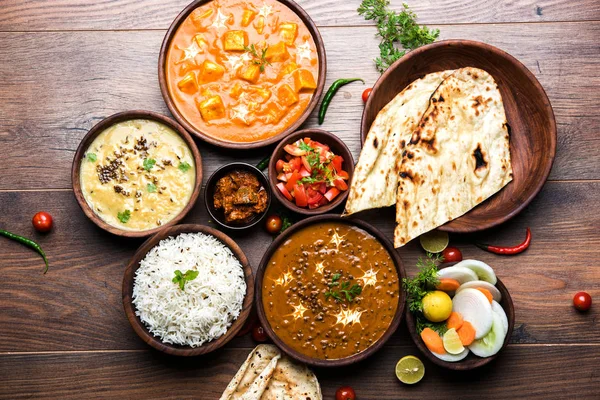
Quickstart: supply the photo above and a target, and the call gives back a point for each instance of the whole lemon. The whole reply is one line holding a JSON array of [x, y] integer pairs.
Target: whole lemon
[[437, 306]]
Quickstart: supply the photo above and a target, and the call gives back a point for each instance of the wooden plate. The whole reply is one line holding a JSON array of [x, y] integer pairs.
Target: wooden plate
[[98, 129], [317, 362], [162, 79], [141, 329], [528, 111], [336, 145], [471, 361]]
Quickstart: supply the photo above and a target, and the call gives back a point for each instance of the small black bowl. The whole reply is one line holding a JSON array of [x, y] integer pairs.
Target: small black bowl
[[209, 191]]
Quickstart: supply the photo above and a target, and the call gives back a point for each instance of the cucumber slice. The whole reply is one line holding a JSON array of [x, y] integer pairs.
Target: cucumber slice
[[482, 284], [461, 274], [484, 272], [497, 309], [491, 343], [475, 308], [452, 357]]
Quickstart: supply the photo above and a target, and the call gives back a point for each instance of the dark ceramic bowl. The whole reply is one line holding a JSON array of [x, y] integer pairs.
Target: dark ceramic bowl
[[209, 192]]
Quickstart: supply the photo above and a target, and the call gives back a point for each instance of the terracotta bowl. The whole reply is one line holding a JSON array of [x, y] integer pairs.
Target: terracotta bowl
[[335, 144], [209, 192], [528, 111], [141, 329], [98, 129], [471, 361], [317, 362], [162, 79]]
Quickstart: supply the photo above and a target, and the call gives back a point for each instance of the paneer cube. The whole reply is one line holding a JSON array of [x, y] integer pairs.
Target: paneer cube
[[236, 90], [210, 72], [212, 108], [201, 42], [247, 17], [259, 94], [303, 79], [288, 31], [259, 25], [200, 18], [286, 95], [188, 84], [277, 52], [274, 113], [250, 73], [288, 69], [235, 40]]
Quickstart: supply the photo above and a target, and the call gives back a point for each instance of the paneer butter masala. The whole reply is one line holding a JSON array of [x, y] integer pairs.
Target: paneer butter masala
[[330, 291], [234, 65]]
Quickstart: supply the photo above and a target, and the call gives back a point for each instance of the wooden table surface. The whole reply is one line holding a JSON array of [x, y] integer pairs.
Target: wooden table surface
[[66, 64]]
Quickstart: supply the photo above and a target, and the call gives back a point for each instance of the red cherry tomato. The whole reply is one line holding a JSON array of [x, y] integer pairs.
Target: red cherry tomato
[[452, 254], [582, 301], [42, 221], [259, 334], [345, 393], [273, 224], [366, 93]]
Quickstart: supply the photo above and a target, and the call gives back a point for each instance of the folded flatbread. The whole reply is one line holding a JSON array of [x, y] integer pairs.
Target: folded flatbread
[[268, 375], [375, 179], [457, 157]]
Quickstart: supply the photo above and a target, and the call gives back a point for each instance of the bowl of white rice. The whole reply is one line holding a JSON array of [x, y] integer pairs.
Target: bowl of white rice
[[188, 290]]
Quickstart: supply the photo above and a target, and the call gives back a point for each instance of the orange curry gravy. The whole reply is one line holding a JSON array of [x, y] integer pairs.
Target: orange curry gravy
[[242, 71], [303, 294]]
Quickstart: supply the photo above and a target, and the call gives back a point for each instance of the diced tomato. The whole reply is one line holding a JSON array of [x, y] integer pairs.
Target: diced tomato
[[279, 165], [306, 164], [343, 174], [307, 140], [313, 197], [304, 173], [323, 201], [300, 194], [323, 188], [317, 145], [292, 180], [295, 164], [284, 191], [340, 184], [294, 150], [332, 193], [282, 177], [337, 163]]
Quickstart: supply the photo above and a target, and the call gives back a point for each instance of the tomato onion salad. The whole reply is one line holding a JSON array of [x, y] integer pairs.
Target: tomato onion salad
[[310, 175]]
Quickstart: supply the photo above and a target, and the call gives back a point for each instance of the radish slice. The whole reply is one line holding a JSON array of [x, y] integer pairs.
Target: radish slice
[[491, 343], [451, 357], [475, 308], [484, 285], [497, 309], [484, 272], [461, 274]]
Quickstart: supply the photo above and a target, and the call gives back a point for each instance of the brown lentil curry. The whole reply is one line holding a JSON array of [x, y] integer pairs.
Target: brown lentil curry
[[330, 291]]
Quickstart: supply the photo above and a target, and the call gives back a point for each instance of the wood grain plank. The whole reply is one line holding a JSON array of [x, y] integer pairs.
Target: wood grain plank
[[39, 15], [56, 86], [77, 305], [539, 372]]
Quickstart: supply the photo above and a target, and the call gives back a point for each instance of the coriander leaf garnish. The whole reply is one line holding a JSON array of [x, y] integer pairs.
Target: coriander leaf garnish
[[91, 157], [151, 187], [351, 293], [259, 60], [184, 166], [416, 288], [124, 216], [345, 290], [149, 163], [285, 223], [181, 278], [395, 27]]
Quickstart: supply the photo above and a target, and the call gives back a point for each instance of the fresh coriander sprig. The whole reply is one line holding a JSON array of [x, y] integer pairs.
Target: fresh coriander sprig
[[395, 27], [124, 216], [184, 166], [416, 288], [258, 59], [151, 187], [347, 291], [149, 163], [91, 157], [182, 278]]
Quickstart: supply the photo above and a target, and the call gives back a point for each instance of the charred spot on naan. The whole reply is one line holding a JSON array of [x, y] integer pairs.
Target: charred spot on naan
[[480, 158], [375, 143]]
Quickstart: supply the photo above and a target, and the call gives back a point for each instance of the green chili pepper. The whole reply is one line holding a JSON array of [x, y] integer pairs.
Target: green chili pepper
[[28, 243], [264, 163], [335, 86]]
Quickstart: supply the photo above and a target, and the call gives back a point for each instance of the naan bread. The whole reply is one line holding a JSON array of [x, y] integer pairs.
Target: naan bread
[[268, 375], [375, 178], [457, 157]]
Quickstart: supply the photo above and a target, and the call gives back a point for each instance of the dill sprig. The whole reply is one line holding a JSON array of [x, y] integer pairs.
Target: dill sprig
[[394, 28], [416, 288]]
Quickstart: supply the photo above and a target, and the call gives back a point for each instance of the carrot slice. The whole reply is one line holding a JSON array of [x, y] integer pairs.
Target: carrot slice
[[433, 341], [466, 333], [454, 321], [487, 293], [448, 284]]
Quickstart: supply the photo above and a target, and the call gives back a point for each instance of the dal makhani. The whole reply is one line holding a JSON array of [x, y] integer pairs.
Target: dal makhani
[[330, 291]]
